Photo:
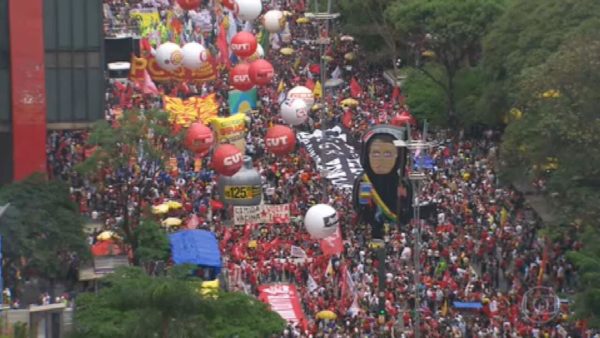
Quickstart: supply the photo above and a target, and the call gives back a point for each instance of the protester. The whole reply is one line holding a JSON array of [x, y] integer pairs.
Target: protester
[[482, 245]]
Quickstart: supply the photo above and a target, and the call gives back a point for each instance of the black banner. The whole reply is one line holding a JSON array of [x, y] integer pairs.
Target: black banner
[[334, 155]]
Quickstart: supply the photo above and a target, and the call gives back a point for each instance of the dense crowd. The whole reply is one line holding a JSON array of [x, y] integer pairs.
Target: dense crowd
[[482, 244]]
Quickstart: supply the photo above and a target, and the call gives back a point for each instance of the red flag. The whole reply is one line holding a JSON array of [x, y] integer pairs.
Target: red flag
[[332, 245], [222, 45], [148, 87], [226, 236], [395, 94], [310, 84], [355, 89], [145, 46], [120, 86], [347, 119], [247, 232]]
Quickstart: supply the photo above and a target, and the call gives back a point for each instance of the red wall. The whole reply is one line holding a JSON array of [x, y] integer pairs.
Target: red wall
[[28, 87]]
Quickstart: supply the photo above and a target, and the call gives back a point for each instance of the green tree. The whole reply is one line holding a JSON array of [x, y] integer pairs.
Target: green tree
[[526, 35], [141, 136], [424, 97], [587, 302], [42, 231], [560, 126], [152, 242], [377, 34], [445, 33], [132, 304]]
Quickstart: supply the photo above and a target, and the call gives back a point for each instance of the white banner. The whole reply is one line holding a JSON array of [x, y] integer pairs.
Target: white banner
[[264, 213]]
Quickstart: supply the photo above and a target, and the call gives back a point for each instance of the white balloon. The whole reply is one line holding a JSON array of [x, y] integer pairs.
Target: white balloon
[[248, 9], [169, 56], [294, 112], [274, 21], [301, 92], [259, 54], [194, 55], [321, 221]]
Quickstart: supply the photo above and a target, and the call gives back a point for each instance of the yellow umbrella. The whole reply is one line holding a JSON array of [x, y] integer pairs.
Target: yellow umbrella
[[349, 102], [316, 107], [302, 21], [327, 58], [210, 288], [106, 235], [173, 205], [326, 314], [349, 56], [172, 222], [287, 51], [160, 209], [428, 53]]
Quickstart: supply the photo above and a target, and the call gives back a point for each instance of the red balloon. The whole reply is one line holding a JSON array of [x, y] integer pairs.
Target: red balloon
[[261, 72], [280, 140], [239, 77], [243, 44], [229, 4], [189, 4], [227, 160], [199, 139], [402, 119]]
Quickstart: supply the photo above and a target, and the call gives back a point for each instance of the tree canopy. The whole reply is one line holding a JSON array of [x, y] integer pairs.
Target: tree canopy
[[142, 139], [526, 35], [132, 304], [42, 231], [444, 33]]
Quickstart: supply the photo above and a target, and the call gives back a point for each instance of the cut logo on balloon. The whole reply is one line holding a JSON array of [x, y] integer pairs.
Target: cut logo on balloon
[[176, 57]]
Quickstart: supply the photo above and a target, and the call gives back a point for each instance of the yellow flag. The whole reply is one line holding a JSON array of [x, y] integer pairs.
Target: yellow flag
[[503, 216], [318, 91], [297, 63], [329, 269], [445, 308], [280, 87]]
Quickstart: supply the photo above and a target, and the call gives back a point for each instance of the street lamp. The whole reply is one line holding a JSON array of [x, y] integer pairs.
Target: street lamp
[[323, 41], [4, 208], [417, 178], [2, 211]]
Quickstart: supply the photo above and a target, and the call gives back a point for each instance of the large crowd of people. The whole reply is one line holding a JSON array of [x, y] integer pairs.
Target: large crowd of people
[[482, 244]]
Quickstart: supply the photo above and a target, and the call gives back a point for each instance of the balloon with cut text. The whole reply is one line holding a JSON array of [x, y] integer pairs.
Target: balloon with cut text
[[189, 4], [274, 21], [169, 56], [243, 44], [261, 72], [239, 77], [227, 160], [303, 93], [321, 221], [194, 55], [294, 112], [247, 9], [280, 140], [199, 139]]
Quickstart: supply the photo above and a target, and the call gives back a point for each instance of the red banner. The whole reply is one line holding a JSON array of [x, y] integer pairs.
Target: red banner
[[284, 299], [28, 87], [332, 245], [141, 64]]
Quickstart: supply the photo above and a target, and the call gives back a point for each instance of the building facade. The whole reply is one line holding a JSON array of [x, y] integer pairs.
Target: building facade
[[51, 77]]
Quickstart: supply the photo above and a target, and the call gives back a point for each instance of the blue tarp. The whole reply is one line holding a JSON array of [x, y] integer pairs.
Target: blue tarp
[[424, 162], [198, 247], [467, 306]]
